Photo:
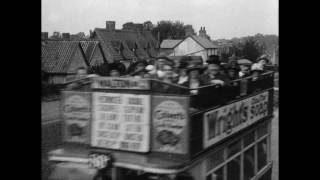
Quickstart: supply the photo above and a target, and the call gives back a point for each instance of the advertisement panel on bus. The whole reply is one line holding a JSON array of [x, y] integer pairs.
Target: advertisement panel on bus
[[170, 124], [76, 116], [227, 120]]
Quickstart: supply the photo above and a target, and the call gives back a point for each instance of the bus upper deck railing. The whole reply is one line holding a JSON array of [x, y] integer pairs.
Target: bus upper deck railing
[[206, 96]]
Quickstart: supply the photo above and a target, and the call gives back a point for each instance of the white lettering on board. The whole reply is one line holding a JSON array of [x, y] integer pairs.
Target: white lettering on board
[[121, 121], [225, 121]]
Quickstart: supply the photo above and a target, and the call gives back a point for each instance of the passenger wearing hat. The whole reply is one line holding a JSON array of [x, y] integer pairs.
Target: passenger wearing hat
[[182, 70], [120, 66], [232, 71], [213, 74], [169, 76], [194, 81], [136, 66], [256, 71], [244, 70], [138, 69], [161, 62], [261, 62], [213, 59], [114, 70], [139, 73], [150, 72]]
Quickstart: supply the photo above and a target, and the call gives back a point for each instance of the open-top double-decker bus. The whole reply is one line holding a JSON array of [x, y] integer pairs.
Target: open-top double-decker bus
[[127, 128]]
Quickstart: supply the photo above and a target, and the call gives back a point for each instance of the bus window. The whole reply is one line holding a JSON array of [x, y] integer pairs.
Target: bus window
[[234, 148], [266, 175], [218, 174], [214, 160], [262, 130], [248, 139], [233, 169], [262, 154], [248, 164]]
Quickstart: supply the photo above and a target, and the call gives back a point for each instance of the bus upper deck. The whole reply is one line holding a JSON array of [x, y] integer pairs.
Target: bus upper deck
[[156, 127]]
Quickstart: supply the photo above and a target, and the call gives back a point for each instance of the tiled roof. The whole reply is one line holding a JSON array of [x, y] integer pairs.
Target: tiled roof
[[169, 43], [129, 40], [105, 39], [204, 42], [56, 55], [88, 48]]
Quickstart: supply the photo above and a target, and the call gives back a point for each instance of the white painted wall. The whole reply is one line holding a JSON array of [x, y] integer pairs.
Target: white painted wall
[[189, 46]]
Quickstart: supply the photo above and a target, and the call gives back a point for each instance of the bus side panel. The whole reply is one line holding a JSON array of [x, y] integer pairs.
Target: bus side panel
[[270, 104], [196, 134]]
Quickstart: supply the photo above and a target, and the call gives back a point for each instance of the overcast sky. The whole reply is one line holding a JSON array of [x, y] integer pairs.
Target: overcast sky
[[221, 18]]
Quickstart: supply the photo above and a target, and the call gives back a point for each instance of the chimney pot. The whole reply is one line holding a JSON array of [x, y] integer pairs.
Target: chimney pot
[[110, 25], [44, 35], [66, 36]]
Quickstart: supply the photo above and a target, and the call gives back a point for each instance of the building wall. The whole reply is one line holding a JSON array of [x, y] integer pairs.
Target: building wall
[[189, 46], [77, 61]]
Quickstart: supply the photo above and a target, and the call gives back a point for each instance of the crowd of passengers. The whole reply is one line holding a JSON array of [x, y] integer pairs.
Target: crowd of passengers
[[190, 75]]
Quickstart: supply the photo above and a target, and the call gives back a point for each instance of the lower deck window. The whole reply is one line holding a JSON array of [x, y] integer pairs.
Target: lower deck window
[[234, 148], [266, 176], [233, 169], [262, 154], [242, 159], [218, 174], [248, 164]]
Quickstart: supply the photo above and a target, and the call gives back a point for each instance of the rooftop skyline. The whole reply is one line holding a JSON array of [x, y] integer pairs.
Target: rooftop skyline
[[221, 18]]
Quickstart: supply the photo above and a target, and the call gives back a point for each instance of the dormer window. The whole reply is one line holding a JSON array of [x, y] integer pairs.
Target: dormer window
[[131, 45], [118, 46]]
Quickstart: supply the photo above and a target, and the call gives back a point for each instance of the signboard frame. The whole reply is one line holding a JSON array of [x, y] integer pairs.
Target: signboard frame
[[146, 124], [136, 84], [208, 142]]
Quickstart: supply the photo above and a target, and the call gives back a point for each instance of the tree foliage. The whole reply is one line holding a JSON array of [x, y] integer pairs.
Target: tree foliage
[[251, 49], [247, 48], [170, 30]]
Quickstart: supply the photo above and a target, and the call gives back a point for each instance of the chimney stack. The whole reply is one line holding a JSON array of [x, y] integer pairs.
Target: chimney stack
[[90, 33], [44, 35], [202, 32], [189, 31], [110, 25], [66, 36]]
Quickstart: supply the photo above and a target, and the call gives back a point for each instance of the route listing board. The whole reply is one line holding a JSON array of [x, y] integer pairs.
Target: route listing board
[[121, 121]]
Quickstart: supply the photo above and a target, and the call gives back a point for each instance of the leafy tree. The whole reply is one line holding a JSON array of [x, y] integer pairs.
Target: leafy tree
[[251, 49], [170, 30]]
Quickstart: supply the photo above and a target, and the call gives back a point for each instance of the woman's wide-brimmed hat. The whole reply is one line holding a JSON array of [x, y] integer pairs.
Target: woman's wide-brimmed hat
[[166, 60], [113, 67], [256, 68], [183, 65], [214, 59], [195, 67]]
